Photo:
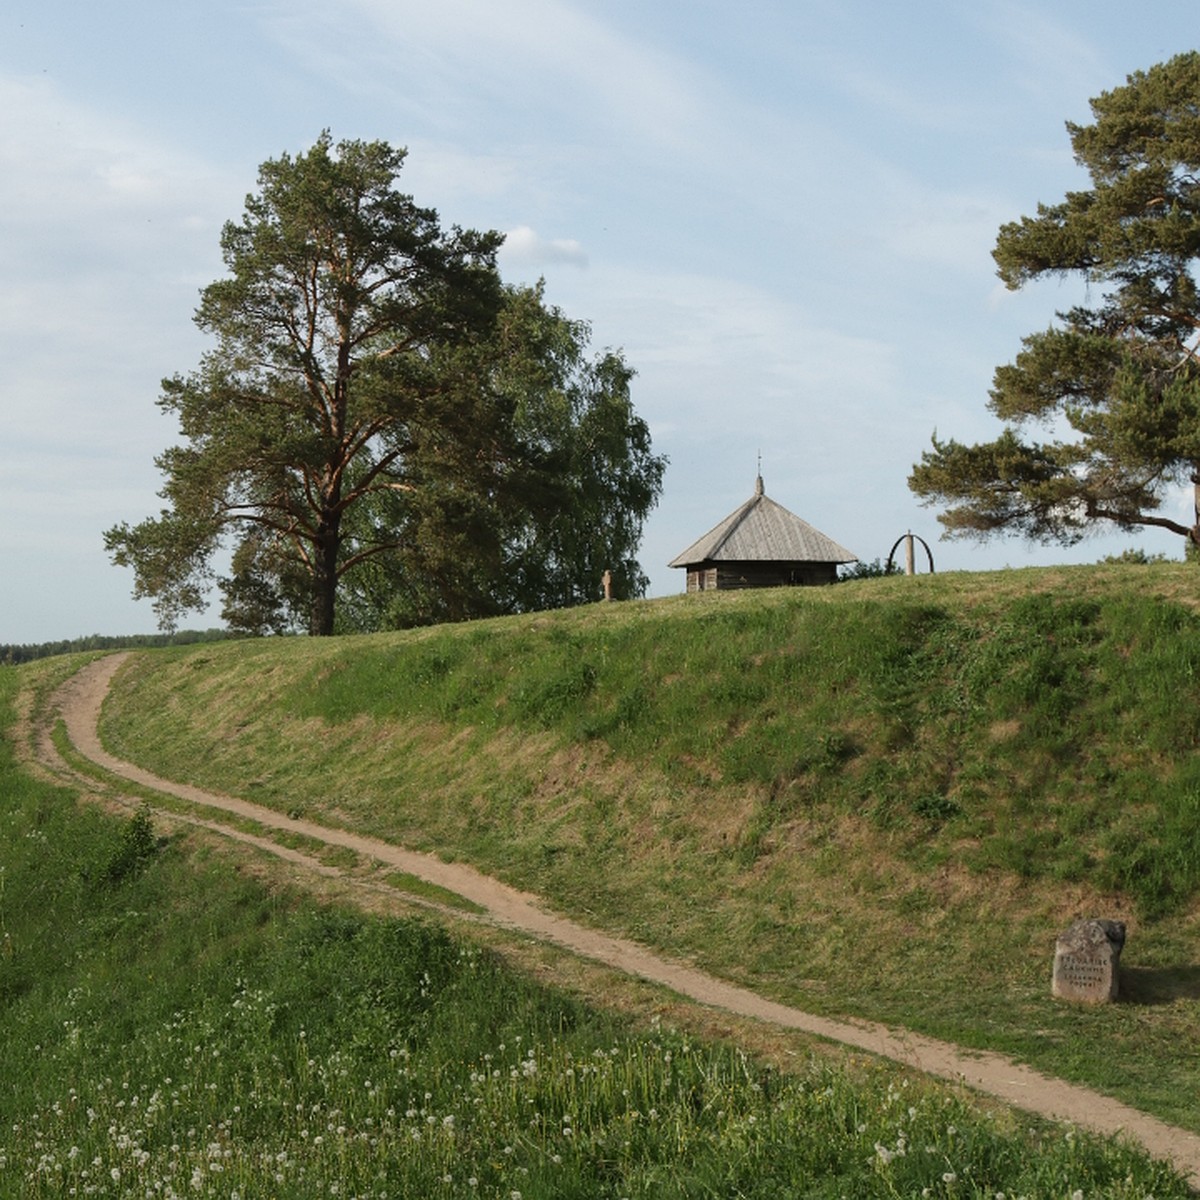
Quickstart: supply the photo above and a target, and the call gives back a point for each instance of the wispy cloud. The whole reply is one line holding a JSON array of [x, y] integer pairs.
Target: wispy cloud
[[716, 357], [549, 55], [942, 228], [1051, 60]]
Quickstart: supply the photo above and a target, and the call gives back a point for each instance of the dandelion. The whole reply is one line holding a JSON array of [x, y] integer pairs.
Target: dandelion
[[949, 1177]]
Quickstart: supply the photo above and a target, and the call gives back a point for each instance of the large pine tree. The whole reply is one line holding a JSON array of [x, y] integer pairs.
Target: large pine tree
[[1116, 382], [368, 421]]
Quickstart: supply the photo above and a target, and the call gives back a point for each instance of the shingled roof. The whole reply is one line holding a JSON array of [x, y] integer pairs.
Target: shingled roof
[[763, 531]]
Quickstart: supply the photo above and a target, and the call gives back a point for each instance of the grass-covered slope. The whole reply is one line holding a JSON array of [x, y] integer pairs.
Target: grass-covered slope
[[172, 1026], [883, 798]]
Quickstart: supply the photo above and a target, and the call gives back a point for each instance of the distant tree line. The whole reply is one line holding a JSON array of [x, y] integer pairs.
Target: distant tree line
[[11, 656]]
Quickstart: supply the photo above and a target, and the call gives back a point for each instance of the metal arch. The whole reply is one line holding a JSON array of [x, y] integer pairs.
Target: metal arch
[[916, 537]]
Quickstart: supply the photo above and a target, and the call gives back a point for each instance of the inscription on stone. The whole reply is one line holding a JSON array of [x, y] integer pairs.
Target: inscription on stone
[[1086, 959]]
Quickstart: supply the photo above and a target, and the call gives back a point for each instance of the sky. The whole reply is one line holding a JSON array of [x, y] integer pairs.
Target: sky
[[781, 212]]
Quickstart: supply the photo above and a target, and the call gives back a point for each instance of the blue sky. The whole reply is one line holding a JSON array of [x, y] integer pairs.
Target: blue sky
[[782, 213]]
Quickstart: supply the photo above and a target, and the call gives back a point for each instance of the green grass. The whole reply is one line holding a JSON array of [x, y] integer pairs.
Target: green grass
[[171, 1026], [883, 799], [317, 849], [947, 723]]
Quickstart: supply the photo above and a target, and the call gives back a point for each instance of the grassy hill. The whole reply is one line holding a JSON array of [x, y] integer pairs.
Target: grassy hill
[[882, 799]]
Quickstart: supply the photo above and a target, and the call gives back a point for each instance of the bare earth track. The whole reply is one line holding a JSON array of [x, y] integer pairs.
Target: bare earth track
[[79, 702]]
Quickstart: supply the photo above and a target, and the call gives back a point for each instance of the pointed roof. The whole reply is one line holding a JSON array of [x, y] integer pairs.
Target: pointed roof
[[763, 531]]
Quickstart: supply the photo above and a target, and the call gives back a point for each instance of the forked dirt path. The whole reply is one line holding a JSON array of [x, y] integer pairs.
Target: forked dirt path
[[79, 702]]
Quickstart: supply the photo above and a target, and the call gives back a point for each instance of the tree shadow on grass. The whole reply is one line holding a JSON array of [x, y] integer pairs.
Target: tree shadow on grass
[[1159, 985]]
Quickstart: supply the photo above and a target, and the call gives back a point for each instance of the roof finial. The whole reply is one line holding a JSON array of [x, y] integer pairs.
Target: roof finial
[[758, 483]]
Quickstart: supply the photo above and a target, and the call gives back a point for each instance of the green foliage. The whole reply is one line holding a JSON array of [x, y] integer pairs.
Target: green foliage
[[578, 481], [382, 423], [1137, 557], [135, 849], [1120, 373], [876, 569]]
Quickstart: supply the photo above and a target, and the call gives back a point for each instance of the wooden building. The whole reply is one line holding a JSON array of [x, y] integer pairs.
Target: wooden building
[[761, 545]]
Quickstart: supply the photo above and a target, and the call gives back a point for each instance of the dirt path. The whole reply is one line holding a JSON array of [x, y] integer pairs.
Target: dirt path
[[79, 702]]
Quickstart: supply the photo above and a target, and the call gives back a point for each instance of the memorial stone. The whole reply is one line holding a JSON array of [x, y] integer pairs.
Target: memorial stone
[[1086, 958]]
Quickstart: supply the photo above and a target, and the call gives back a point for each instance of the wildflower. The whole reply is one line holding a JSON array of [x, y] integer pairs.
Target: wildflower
[[949, 1177]]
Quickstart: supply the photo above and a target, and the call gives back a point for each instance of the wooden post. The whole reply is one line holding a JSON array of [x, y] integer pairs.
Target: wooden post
[[606, 579]]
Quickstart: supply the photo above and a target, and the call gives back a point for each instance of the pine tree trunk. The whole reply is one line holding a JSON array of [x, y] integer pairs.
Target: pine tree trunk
[[1194, 536], [325, 581]]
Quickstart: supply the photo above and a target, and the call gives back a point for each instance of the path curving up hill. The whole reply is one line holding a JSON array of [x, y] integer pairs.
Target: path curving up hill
[[79, 702]]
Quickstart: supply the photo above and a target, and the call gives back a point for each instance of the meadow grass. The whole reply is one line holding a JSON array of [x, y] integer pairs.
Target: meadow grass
[[171, 1027], [883, 799]]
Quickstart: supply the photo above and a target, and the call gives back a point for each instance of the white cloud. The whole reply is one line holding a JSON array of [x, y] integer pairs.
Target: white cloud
[[103, 236], [523, 247]]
